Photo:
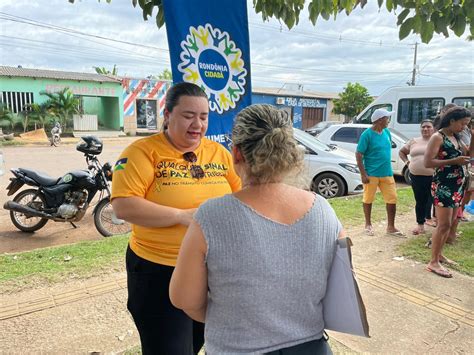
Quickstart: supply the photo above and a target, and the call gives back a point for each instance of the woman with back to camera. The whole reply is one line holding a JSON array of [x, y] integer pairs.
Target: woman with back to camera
[[448, 156], [421, 177], [158, 183], [253, 268]]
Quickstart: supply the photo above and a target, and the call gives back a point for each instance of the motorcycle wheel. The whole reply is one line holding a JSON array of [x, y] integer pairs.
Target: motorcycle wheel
[[56, 141], [107, 223], [23, 222]]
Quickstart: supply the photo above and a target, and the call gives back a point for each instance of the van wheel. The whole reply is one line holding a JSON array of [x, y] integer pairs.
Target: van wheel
[[406, 176], [328, 185]]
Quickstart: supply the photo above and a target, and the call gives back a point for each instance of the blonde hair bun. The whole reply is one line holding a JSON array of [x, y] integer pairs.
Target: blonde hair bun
[[264, 136]]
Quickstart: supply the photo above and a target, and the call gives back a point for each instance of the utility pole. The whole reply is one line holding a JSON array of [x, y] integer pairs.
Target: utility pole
[[413, 75]]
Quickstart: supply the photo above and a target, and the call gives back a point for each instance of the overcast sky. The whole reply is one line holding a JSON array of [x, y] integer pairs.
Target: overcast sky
[[362, 47]]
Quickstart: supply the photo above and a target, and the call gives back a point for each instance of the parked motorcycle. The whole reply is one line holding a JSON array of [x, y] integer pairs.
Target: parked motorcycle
[[56, 134], [65, 199]]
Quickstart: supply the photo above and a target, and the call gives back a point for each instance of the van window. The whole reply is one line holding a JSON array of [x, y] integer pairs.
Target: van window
[[464, 102], [365, 118], [413, 111], [347, 134]]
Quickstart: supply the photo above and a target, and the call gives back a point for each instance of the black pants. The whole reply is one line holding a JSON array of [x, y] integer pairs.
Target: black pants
[[421, 186], [163, 329], [314, 347]]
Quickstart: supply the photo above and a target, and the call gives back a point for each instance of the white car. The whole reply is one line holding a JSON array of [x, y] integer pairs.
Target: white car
[[333, 171], [346, 136]]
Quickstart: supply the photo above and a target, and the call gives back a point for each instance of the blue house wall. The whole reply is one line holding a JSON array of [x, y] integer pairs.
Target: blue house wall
[[294, 103]]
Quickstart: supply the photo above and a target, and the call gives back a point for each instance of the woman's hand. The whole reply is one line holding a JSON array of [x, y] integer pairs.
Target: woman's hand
[[461, 160], [404, 152], [186, 216]]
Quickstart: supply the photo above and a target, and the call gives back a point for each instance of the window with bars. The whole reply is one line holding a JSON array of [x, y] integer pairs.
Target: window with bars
[[16, 101]]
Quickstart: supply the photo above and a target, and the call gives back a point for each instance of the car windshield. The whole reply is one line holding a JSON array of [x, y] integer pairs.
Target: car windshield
[[308, 140]]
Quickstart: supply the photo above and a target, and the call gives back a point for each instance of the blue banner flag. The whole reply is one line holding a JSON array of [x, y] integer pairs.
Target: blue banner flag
[[209, 46]]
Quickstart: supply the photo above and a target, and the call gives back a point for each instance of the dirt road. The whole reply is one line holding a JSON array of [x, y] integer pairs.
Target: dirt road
[[55, 162]]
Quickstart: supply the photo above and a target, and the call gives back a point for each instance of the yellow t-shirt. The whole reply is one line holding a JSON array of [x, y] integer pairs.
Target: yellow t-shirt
[[153, 169]]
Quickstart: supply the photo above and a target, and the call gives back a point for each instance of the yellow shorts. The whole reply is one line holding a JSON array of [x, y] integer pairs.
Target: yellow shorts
[[387, 188]]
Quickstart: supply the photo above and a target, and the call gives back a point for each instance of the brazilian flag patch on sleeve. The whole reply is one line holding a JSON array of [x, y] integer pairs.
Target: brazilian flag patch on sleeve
[[120, 164]]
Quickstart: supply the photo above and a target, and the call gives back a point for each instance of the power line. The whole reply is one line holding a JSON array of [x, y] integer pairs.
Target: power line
[[20, 19], [68, 47], [326, 70], [252, 63], [329, 37], [438, 77], [152, 59]]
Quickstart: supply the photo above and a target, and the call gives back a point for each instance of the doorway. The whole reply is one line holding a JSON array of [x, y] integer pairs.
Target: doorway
[[146, 114]]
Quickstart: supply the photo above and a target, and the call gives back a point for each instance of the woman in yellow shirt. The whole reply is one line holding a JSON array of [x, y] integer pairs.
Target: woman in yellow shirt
[[158, 183]]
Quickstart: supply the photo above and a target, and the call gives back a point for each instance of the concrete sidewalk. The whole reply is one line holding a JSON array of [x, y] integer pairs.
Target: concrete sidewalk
[[409, 310]]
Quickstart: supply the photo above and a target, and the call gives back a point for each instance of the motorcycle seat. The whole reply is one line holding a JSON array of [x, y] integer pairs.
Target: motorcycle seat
[[41, 178]]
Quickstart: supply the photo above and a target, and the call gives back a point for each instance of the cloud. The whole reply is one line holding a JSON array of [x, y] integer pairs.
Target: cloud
[[362, 47]]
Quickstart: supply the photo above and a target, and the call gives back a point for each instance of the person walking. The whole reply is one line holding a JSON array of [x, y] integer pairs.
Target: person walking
[[254, 265], [448, 156], [373, 156], [421, 177], [158, 183]]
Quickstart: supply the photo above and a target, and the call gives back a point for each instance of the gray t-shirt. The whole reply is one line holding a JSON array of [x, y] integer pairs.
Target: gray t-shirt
[[266, 279]]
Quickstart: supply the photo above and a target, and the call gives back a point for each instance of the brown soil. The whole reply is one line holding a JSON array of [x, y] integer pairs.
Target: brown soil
[[55, 161]]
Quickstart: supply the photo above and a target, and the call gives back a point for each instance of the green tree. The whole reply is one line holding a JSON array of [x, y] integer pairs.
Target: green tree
[[165, 75], [352, 100], [424, 17], [62, 104], [7, 118], [40, 113], [104, 71]]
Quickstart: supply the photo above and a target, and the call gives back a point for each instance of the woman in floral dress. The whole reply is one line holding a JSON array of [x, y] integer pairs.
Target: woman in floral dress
[[448, 156]]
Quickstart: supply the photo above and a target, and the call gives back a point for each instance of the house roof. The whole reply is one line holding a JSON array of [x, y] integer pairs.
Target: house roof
[[299, 93], [56, 74]]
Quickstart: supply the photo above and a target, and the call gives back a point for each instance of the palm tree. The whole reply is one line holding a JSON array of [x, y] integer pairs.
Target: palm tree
[[40, 113], [104, 71], [7, 118], [165, 75], [62, 104]]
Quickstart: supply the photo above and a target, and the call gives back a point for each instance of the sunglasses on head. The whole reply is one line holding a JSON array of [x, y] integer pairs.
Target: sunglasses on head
[[195, 170]]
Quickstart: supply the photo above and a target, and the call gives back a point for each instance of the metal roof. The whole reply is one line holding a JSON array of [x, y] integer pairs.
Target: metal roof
[[56, 74], [299, 93]]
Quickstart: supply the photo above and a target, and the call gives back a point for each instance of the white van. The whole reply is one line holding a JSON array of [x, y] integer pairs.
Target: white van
[[412, 104]]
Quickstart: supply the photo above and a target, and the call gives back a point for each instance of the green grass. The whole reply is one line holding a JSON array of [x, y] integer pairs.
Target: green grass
[[14, 142], [461, 252], [350, 213], [93, 258], [83, 259]]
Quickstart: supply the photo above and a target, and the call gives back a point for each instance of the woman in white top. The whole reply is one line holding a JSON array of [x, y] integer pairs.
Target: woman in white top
[[421, 177]]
